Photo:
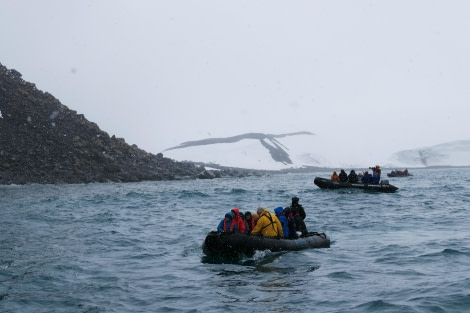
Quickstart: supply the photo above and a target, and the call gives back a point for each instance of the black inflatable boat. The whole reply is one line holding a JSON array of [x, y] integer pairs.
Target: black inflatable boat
[[399, 174], [233, 244], [325, 183]]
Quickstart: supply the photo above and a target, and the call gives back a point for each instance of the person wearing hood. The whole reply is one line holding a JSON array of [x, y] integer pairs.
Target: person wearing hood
[[343, 176], [225, 224], [238, 221], [268, 225], [352, 177], [299, 216], [281, 216]]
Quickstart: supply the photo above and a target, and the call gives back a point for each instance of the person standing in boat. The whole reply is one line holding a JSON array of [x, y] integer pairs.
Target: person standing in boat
[[375, 177], [343, 177], [225, 225], [299, 216], [334, 176], [376, 171], [268, 224], [238, 221], [281, 216], [352, 177]]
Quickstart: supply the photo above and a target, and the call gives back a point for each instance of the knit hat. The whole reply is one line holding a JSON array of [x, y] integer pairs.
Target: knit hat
[[260, 210]]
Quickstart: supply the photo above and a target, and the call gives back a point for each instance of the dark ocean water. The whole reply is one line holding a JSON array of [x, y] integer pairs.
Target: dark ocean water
[[137, 247]]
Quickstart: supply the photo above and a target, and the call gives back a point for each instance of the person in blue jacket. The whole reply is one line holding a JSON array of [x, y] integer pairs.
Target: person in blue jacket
[[225, 223], [281, 216], [375, 177], [366, 178]]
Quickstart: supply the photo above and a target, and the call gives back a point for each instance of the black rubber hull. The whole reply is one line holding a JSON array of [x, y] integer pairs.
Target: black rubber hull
[[227, 244], [398, 175], [330, 184]]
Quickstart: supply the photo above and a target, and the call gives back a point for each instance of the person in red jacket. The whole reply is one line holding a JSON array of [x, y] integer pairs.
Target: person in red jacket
[[236, 220]]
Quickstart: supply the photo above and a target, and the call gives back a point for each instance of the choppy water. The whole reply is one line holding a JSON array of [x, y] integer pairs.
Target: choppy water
[[137, 247]]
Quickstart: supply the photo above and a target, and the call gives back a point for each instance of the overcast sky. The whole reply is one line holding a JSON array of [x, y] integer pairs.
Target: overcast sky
[[377, 76]]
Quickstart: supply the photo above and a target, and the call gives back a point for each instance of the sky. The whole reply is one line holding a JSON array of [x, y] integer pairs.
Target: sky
[[366, 77]]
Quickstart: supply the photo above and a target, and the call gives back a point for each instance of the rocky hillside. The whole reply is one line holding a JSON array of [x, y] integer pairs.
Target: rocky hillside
[[43, 141]]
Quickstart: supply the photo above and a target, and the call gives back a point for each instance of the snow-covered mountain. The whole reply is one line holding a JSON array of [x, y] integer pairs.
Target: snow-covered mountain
[[304, 149], [251, 151], [455, 153]]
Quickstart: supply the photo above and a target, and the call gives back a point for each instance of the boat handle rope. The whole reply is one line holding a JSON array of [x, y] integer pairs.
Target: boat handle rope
[[322, 235]]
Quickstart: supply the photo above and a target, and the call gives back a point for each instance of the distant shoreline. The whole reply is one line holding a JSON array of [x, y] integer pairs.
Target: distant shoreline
[[314, 169]]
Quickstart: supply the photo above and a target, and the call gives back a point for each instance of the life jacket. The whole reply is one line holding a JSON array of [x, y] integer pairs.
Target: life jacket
[[269, 217], [250, 225], [296, 210], [227, 226], [247, 228]]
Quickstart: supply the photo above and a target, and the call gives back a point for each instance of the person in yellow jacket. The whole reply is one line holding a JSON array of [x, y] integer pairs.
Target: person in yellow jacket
[[268, 224]]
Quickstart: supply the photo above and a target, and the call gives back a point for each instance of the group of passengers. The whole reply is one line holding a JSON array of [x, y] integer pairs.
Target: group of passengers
[[364, 177], [286, 222], [399, 173]]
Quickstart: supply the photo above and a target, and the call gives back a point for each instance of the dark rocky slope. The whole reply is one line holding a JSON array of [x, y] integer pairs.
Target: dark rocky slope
[[43, 141]]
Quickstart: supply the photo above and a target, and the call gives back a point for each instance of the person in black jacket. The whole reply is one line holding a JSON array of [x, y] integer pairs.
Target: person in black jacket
[[299, 215], [352, 177], [343, 177], [291, 223]]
